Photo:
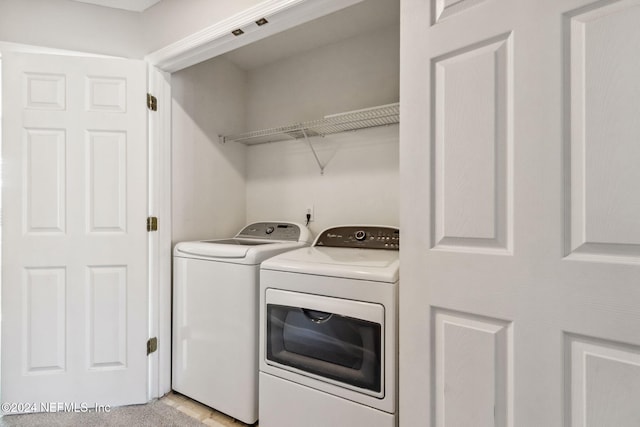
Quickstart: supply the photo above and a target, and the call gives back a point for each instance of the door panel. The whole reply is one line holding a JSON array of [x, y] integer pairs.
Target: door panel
[[75, 288], [45, 309], [604, 150], [519, 150], [107, 186], [471, 369], [471, 163], [600, 370], [44, 181]]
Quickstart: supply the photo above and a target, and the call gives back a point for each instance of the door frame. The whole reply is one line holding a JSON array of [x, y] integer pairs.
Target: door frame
[[160, 250]]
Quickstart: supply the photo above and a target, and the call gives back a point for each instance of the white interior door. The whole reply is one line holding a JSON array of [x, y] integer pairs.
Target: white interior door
[[520, 154], [74, 276]]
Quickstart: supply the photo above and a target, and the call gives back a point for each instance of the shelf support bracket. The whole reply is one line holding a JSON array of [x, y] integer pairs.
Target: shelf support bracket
[[306, 138]]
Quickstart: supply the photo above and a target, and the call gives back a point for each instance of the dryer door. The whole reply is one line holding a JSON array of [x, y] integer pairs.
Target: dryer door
[[335, 340]]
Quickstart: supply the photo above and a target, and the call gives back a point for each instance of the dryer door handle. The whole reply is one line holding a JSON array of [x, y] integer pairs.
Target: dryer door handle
[[317, 316]]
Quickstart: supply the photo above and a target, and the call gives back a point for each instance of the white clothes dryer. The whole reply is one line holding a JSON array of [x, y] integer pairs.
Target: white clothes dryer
[[215, 315], [328, 331]]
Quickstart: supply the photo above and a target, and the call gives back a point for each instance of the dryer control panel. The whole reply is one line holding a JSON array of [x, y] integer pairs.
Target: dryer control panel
[[360, 236]]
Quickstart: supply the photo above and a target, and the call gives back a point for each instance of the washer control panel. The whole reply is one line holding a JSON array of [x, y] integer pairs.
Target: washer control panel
[[271, 231], [360, 236]]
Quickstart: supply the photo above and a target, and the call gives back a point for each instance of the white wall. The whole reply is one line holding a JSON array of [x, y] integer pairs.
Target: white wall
[[70, 25], [360, 182], [359, 72], [359, 185], [208, 190]]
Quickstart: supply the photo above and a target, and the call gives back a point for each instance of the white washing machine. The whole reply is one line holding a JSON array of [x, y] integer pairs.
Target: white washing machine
[[328, 331], [215, 315]]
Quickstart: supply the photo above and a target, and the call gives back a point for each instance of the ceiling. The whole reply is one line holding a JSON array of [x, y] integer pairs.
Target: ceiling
[[132, 5], [358, 19]]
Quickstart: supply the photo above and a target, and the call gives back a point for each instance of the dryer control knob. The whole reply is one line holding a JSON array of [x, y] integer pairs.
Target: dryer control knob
[[360, 235], [269, 230]]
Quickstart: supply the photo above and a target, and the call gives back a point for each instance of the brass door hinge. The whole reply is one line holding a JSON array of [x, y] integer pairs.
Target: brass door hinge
[[152, 223], [152, 102], [152, 345]]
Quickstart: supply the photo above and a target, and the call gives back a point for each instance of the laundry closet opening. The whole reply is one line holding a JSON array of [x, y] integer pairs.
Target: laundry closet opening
[[345, 61]]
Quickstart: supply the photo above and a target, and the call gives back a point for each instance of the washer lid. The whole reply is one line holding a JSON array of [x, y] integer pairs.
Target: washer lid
[[238, 253], [213, 249], [352, 263]]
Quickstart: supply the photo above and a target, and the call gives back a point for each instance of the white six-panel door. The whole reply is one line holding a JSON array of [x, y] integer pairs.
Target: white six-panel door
[[520, 217], [74, 267]]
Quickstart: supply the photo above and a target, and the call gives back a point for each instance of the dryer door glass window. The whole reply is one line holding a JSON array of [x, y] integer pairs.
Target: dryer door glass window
[[341, 348]]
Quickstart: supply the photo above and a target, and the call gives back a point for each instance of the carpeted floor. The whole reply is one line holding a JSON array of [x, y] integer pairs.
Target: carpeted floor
[[154, 414]]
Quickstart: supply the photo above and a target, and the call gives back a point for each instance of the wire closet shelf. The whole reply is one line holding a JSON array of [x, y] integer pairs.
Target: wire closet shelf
[[382, 115]]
